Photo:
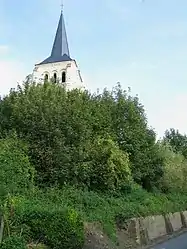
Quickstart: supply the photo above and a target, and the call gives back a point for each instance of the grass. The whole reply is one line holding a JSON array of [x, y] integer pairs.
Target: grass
[[105, 208]]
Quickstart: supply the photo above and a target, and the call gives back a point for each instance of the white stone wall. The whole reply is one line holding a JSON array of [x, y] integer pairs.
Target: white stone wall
[[73, 77]]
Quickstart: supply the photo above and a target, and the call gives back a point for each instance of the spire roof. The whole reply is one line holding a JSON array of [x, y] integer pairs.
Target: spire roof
[[60, 50]]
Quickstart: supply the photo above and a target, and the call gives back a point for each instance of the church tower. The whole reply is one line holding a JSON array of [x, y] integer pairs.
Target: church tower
[[59, 66]]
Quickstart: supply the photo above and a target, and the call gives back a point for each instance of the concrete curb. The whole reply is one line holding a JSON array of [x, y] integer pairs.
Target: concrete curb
[[146, 230]]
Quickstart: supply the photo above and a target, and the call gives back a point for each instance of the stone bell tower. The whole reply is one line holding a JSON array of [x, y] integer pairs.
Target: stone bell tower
[[59, 66]]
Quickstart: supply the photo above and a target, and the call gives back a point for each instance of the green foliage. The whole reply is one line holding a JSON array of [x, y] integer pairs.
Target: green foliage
[[175, 170], [37, 246], [177, 141], [13, 242], [16, 172], [106, 167], [60, 127], [37, 216], [55, 227], [106, 208], [129, 124], [99, 143]]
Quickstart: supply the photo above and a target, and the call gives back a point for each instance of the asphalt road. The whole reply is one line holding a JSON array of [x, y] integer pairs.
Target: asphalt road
[[179, 242]]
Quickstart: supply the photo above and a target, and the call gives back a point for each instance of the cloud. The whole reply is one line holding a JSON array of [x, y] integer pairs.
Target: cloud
[[4, 49], [11, 72]]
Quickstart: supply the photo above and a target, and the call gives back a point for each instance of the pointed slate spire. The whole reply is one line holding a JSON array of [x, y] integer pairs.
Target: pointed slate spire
[[60, 46], [60, 50]]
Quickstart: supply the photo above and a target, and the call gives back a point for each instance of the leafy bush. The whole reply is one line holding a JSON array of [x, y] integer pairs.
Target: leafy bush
[[16, 172], [56, 228], [98, 141], [106, 208], [106, 167], [59, 125], [175, 170], [37, 246], [177, 141], [129, 126], [13, 242]]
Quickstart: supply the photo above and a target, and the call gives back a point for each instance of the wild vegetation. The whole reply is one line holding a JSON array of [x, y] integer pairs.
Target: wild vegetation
[[69, 157]]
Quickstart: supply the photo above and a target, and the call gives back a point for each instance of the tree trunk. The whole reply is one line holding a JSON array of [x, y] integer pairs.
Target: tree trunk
[[1, 229]]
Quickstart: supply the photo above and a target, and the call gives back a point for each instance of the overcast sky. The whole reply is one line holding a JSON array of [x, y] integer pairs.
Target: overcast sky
[[140, 45]]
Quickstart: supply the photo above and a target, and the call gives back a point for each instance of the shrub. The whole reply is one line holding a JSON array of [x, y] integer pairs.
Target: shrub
[[16, 172], [106, 167], [129, 126], [104, 207], [175, 170], [13, 242], [59, 124], [177, 141], [56, 228], [37, 246]]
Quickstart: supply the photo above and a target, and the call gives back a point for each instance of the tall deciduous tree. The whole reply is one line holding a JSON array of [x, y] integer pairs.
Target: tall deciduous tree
[[177, 141], [60, 126]]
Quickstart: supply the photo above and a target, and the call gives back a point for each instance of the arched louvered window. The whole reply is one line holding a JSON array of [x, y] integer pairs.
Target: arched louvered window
[[63, 77], [55, 77], [46, 77]]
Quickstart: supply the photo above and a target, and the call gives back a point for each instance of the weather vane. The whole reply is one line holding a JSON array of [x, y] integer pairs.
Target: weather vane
[[62, 5]]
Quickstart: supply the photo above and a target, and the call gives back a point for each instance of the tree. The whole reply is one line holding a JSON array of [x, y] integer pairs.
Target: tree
[[60, 126], [17, 174], [129, 124], [106, 167], [175, 169], [177, 141]]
